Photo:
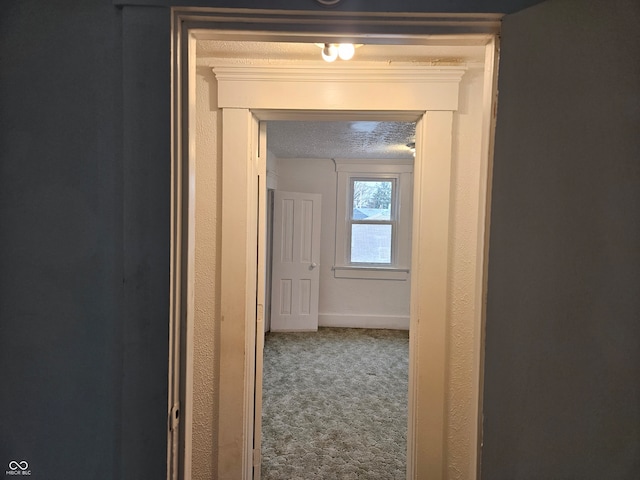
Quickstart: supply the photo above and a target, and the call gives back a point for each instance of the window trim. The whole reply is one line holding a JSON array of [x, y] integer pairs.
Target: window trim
[[401, 172], [393, 219]]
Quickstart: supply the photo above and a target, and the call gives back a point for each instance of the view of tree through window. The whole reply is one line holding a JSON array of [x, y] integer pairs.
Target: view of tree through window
[[371, 221], [372, 194]]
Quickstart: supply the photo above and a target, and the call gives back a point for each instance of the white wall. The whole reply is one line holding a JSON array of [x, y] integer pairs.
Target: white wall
[[344, 302]]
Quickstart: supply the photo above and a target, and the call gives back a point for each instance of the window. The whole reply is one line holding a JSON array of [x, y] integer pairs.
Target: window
[[372, 222], [373, 227]]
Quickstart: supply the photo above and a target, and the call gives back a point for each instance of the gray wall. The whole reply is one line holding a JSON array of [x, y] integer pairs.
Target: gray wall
[[61, 253], [447, 6], [562, 378], [84, 240]]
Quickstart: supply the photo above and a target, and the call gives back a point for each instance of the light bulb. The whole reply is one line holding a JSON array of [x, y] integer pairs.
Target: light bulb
[[329, 52], [346, 51]]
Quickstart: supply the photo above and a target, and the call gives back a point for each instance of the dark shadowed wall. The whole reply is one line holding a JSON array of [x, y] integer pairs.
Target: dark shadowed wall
[[61, 228], [562, 368], [446, 6], [84, 238]]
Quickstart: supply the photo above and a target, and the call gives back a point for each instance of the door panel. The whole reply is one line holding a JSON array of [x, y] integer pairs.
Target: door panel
[[296, 279]]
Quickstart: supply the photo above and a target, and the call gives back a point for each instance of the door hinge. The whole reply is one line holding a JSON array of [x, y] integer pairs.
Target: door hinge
[[174, 417], [257, 458]]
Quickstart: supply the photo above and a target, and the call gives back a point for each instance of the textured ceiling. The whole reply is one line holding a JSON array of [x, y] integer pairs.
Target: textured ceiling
[[290, 139]]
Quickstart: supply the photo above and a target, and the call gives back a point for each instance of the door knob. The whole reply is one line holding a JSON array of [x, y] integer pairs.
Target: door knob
[[314, 264]]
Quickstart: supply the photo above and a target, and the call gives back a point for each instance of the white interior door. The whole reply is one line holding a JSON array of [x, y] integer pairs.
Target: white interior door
[[296, 256]]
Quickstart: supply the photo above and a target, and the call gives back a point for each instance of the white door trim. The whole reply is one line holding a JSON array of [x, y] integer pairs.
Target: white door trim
[[429, 274], [429, 426]]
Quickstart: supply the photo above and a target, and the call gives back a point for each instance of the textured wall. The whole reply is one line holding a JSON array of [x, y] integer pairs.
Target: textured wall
[[206, 329], [562, 397], [465, 178]]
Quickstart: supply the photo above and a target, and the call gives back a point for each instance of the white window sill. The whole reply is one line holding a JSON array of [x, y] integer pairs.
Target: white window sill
[[375, 273]]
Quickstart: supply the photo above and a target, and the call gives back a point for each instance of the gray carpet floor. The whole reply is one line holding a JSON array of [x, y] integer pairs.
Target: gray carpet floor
[[335, 405]]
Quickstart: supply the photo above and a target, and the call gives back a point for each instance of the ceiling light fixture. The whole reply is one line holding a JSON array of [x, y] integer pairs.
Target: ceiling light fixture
[[331, 51]]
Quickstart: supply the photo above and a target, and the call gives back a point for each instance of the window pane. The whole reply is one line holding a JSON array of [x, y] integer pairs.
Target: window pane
[[370, 243], [372, 199]]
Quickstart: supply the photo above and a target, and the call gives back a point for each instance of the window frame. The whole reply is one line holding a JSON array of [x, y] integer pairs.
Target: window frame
[[401, 173], [393, 219]]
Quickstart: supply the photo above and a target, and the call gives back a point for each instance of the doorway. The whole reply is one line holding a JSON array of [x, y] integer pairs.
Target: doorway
[[363, 174], [427, 430], [321, 396]]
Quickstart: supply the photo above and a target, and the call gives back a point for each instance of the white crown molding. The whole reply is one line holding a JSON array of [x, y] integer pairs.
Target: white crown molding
[[313, 71], [356, 86]]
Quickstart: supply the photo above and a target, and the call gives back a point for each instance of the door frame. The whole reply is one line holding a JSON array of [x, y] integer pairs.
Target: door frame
[[189, 25]]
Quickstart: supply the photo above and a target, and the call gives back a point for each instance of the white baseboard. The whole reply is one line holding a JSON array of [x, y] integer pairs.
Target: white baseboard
[[395, 322]]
